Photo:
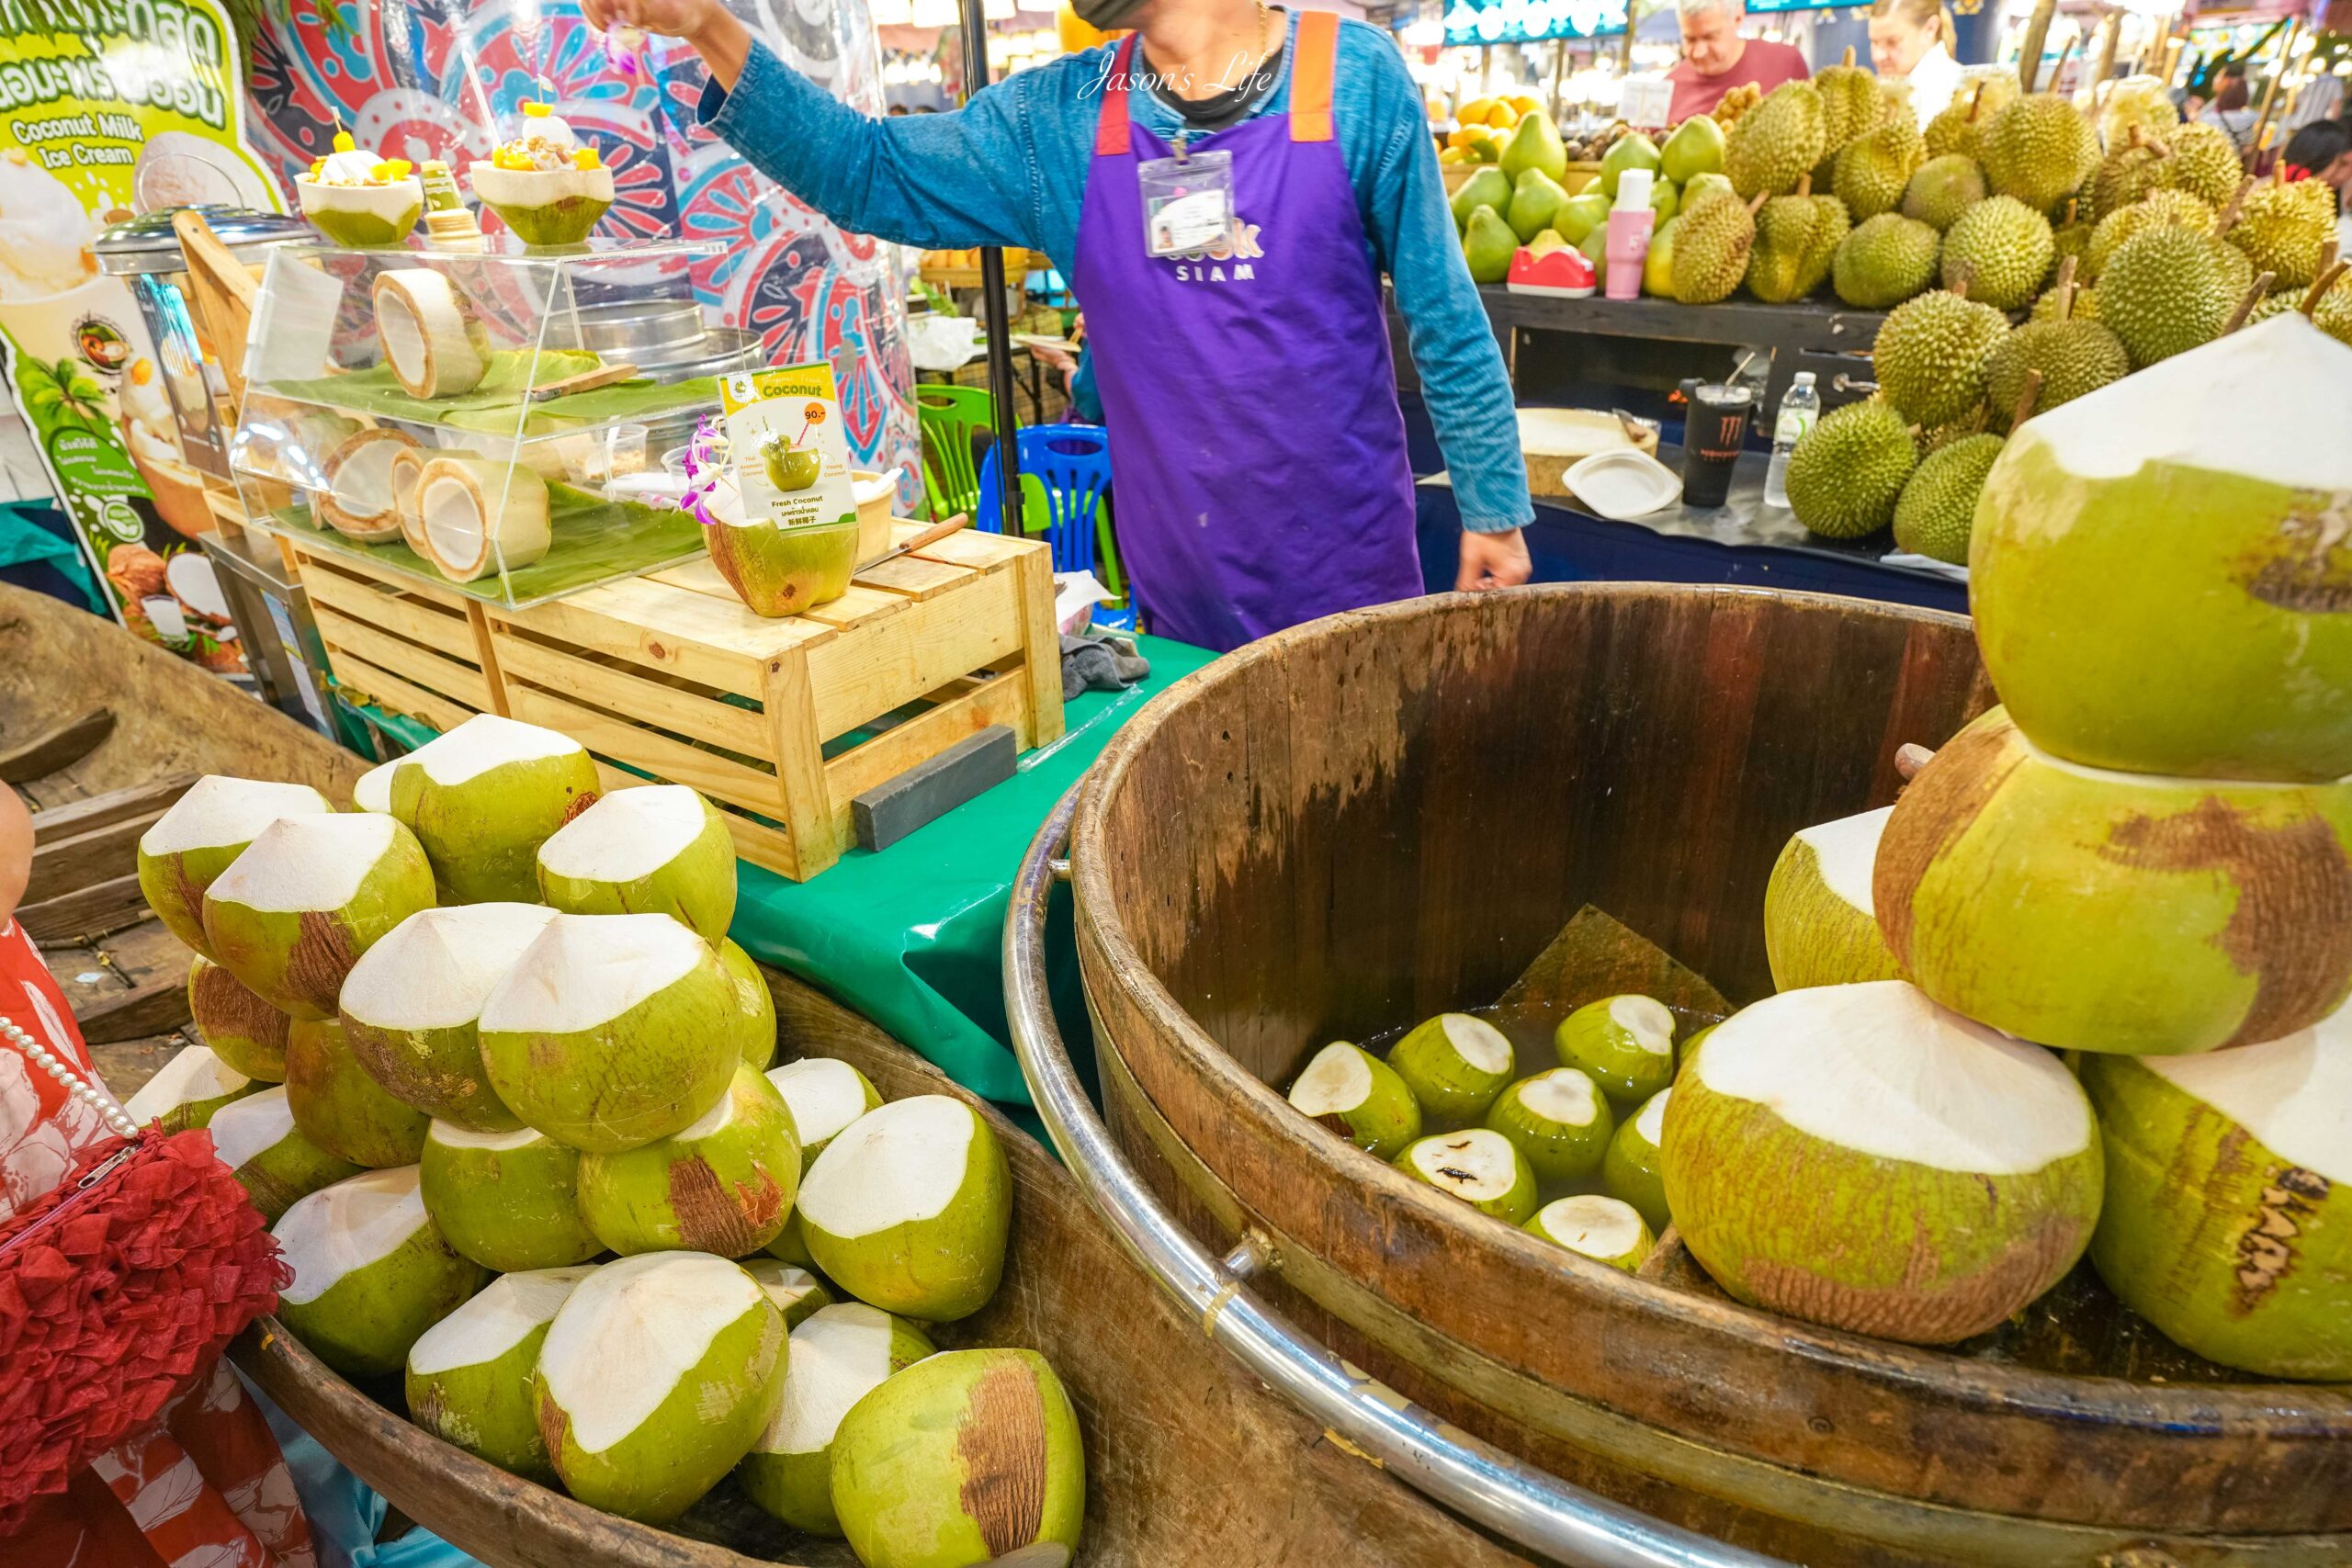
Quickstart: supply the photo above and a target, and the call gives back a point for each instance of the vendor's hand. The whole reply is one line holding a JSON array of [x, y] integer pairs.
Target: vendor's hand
[[1493, 560], [672, 19]]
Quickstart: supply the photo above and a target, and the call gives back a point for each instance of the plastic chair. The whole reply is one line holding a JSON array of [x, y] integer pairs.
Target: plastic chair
[[1071, 464], [948, 417]]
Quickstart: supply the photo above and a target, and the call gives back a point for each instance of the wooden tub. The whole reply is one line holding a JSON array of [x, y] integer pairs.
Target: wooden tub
[[1371, 819]]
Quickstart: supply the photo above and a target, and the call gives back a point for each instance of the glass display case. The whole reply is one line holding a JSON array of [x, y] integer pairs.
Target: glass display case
[[491, 422]]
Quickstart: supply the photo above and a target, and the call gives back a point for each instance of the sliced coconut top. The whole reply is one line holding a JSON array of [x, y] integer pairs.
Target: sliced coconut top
[[626, 834], [1478, 1165], [307, 863], [838, 1356], [495, 1321], [906, 1161], [1845, 852], [1591, 1224], [195, 1074], [1561, 1094], [1880, 1069], [2144, 786], [358, 1221], [1646, 1019], [219, 810], [585, 970], [372, 791], [486, 741], [710, 1124], [783, 1283], [2266, 403], [434, 969], [1650, 1121], [632, 1331], [449, 1135], [825, 1094], [1337, 1079], [242, 1128], [1477, 1042], [2294, 1094]]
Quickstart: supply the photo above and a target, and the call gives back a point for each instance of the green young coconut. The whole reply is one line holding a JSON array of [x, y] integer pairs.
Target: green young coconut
[[2093, 910], [1560, 1120], [372, 791], [1607, 1230], [1478, 1165], [798, 1295], [966, 1457], [1455, 1064], [780, 571], [483, 797], [908, 1209], [1356, 1095], [508, 1201], [206, 830], [791, 1244], [722, 1185], [2158, 568], [371, 1272], [612, 1031], [825, 1095], [840, 1355], [471, 1375], [256, 1139], [2227, 1222], [1819, 928], [657, 1375], [1629, 1171], [244, 1030], [343, 1109], [660, 849], [1859, 1158], [409, 1006], [755, 1005], [1626, 1044], [187, 1091], [310, 894]]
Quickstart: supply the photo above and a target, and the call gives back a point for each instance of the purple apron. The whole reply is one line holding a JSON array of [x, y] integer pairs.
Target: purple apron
[[1249, 399]]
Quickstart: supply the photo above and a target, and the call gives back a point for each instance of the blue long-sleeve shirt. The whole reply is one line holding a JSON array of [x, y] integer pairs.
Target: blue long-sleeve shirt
[[1009, 168]]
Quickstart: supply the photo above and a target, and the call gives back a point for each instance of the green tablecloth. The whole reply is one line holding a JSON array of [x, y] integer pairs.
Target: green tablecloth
[[910, 937]]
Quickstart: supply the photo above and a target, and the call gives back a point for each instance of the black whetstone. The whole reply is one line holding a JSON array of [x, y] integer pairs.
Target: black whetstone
[[890, 811]]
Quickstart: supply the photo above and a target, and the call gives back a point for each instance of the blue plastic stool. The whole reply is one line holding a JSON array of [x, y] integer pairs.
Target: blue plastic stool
[[1072, 464]]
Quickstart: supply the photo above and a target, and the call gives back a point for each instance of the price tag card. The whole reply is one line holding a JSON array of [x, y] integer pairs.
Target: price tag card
[[784, 431], [1187, 202], [1647, 100]]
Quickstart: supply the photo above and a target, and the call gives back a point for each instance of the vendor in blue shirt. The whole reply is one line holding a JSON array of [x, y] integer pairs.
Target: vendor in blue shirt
[[1240, 345]]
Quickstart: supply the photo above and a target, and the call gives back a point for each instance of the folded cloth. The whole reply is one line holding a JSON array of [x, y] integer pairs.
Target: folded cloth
[[1100, 663]]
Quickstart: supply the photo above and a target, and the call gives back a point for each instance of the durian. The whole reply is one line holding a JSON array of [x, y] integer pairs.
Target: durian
[[2204, 163], [1850, 105], [1942, 188], [2038, 150], [1981, 97], [1712, 242], [1873, 169], [1775, 144], [1788, 243], [2167, 291], [1884, 261], [2164, 208], [2002, 248], [1849, 471], [1930, 354], [2283, 230], [2127, 173], [2136, 103], [1938, 504], [2075, 354], [2085, 303]]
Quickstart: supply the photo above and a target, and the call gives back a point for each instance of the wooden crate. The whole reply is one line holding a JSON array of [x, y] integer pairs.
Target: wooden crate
[[779, 722]]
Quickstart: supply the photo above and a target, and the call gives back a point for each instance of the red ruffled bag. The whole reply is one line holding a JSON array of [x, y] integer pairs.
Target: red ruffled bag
[[115, 1288]]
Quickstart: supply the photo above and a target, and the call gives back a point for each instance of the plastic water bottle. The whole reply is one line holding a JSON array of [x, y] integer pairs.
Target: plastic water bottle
[[1800, 407]]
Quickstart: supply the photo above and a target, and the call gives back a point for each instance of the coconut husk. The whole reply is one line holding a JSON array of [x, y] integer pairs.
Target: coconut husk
[[338, 511], [479, 516], [421, 323]]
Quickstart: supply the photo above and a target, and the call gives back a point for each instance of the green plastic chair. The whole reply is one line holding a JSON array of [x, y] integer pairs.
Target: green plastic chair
[[949, 416]]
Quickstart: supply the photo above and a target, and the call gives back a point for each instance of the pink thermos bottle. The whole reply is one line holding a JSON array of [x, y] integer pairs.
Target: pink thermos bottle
[[1629, 222]]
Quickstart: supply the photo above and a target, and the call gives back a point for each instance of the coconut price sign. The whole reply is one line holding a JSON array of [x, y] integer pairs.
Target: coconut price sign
[[109, 111]]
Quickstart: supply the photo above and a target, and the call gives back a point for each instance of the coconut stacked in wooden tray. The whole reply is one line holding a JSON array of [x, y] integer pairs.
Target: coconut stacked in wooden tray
[[482, 1051]]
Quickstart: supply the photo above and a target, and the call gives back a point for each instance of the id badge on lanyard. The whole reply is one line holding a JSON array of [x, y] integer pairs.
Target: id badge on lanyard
[[1187, 201]]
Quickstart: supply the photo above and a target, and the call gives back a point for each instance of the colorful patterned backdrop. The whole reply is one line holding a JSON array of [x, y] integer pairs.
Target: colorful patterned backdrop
[[420, 79]]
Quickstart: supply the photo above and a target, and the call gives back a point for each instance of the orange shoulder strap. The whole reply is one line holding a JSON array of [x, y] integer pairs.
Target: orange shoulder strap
[[1310, 77]]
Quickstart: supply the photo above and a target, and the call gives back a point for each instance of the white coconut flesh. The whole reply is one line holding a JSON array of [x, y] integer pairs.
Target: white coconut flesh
[[196, 584], [1880, 1069], [455, 514], [2294, 1095], [244, 1128], [1650, 1123], [340, 1229], [632, 1333], [387, 201], [583, 971], [625, 835], [838, 1357], [1845, 853], [2266, 403], [495, 1321], [824, 1095], [372, 791], [1562, 1095], [401, 332], [1477, 1166], [361, 483], [449, 1135], [904, 1163], [307, 863], [1338, 1079], [1595, 1225], [219, 810], [195, 1074], [486, 741], [1646, 1022], [785, 1284], [710, 1124], [1478, 1043], [434, 969]]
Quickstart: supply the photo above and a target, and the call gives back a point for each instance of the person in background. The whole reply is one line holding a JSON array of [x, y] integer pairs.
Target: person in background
[[1716, 58], [2324, 153], [2320, 99], [1911, 43], [2231, 112]]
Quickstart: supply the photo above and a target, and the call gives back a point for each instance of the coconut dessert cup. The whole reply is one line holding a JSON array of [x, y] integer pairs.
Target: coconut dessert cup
[[544, 182], [360, 199]]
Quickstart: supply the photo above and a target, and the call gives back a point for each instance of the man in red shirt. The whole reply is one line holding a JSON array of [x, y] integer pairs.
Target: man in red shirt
[[1715, 59]]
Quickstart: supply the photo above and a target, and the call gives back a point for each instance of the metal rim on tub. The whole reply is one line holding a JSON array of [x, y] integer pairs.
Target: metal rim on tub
[[1518, 1502]]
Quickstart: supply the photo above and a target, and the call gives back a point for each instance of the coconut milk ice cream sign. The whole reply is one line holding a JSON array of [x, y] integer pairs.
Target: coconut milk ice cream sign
[[110, 109]]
